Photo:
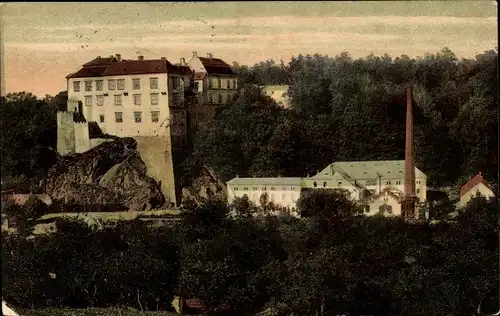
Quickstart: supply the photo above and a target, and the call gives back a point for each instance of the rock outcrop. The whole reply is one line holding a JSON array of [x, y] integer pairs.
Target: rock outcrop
[[111, 173], [206, 184]]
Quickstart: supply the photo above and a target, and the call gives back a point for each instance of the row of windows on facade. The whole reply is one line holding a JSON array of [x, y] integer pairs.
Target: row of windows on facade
[[325, 184], [265, 188], [219, 84], [119, 84], [374, 182], [272, 197], [155, 117], [118, 101]]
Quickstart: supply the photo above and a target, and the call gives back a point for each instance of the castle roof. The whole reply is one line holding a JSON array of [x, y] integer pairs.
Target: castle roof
[[216, 66], [110, 66], [473, 182]]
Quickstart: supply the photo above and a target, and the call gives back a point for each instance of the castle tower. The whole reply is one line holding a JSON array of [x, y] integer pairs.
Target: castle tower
[[409, 203]]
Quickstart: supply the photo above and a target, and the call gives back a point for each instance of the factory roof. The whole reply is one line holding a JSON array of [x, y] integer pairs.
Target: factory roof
[[265, 181], [359, 170]]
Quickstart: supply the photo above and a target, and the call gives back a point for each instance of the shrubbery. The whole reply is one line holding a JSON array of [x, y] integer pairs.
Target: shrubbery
[[247, 264]]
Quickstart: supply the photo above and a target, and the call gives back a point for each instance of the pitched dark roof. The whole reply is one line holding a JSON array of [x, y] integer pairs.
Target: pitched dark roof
[[100, 62], [101, 67], [216, 66]]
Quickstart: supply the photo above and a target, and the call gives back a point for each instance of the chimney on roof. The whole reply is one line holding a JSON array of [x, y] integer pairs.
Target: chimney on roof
[[195, 54], [164, 58], [183, 61], [140, 57], [118, 57], [209, 55]]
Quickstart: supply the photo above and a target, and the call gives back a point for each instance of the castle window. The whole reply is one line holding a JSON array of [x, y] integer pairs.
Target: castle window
[[264, 188], [324, 184], [339, 184], [219, 81], [388, 182], [138, 117], [76, 86], [315, 184], [118, 99], [118, 117], [121, 84], [273, 188], [88, 85], [176, 82], [137, 99], [418, 182], [154, 98], [234, 84], [136, 84], [236, 189], [245, 189], [100, 100], [101, 118], [255, 188], [153, 83], [111, 84], [88, 100], [220, 98], [229, 84], [155, 116], [98, 85]]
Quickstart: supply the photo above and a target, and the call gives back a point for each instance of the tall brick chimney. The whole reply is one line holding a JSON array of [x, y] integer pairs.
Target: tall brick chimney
[[409, 187]]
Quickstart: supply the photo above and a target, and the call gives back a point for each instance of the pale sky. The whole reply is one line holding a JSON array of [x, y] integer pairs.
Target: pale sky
[[43, 42]]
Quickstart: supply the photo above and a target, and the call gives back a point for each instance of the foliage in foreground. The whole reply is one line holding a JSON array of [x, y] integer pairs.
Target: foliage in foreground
[[248, 264]]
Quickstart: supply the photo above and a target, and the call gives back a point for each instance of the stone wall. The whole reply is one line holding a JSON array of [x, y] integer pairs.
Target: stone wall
[[65, 133], [156, 153], [82, 138]]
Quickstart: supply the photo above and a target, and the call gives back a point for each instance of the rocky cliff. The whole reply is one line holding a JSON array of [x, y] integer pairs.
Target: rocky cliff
[[111, 173]]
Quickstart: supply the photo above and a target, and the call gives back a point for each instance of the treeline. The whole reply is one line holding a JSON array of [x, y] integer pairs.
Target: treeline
[[329, 264], [345, 109]]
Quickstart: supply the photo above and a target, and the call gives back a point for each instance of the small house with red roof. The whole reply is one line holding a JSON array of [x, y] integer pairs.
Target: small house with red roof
[[476, 186]]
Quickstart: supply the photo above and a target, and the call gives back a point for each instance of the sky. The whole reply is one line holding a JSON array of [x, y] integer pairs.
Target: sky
[[43, 42]]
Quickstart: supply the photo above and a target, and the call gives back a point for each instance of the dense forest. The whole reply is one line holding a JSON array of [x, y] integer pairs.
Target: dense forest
[[330, 263], [347, 110]]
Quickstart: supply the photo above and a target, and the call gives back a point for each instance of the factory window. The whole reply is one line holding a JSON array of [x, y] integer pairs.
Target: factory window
[[121, 84], [118, 117], [76, 86], [255, 188], [136, 83], [388, 182], [245, 189], [264, 188], [315, 184], [153, 83], [101, 118], [339, 184], [155, 116], [324, 184], [235, 188], [100, 100], [137, 99], [273, 188], [137, 117], [98, 85], [154, 98], [88, 85], [219, 81], [111, 84], [398, 182], [88, 100], [418, 182], [118, 99]]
